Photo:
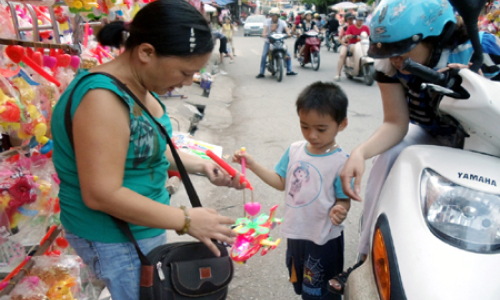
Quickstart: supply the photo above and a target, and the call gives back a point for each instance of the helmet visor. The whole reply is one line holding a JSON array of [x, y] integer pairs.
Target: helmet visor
[[387, 50]]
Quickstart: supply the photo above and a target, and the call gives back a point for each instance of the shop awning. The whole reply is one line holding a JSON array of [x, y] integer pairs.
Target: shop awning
[[209, 8]]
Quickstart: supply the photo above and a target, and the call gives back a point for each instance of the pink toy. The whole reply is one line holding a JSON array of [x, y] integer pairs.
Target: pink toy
[[86, 37], [75, 62], [254, 235], [252, 208], [49, 61]]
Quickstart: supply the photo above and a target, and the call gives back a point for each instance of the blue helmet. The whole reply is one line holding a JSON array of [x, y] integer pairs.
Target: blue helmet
[[397, 26]]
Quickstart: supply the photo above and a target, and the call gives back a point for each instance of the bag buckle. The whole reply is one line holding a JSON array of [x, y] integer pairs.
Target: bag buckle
[[205, 273]]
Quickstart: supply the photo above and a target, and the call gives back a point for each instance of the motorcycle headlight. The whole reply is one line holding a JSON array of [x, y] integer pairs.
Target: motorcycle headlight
[[462, 217]]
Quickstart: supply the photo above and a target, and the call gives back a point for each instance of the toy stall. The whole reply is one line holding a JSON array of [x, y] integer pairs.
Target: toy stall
[[43, 44]]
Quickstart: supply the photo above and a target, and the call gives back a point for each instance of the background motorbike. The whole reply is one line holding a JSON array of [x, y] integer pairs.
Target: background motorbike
[[358, 63], [277, 55], [332, 41], [311, 50]]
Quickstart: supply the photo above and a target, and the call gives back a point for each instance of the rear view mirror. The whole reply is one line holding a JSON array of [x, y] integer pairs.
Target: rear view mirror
[[470, 11]]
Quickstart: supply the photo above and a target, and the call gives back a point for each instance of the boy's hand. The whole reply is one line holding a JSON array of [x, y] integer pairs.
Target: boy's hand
[[238, 155], [338, 214]]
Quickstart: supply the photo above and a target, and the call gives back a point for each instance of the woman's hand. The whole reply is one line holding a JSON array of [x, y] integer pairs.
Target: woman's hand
[[220, 177], [458, 66], [353, 168], [207, 224]]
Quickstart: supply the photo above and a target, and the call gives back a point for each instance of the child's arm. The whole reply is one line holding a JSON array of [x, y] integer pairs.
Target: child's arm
[[269, 177], [339, 211]]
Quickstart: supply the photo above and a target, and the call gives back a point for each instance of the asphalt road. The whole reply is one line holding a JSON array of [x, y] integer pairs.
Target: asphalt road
[[264, 120]]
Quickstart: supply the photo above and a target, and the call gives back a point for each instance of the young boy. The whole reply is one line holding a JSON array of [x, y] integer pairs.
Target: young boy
[[315, 204]]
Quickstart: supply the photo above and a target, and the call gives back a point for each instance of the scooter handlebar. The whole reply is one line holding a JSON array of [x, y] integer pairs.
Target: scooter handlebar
[[424, 72]]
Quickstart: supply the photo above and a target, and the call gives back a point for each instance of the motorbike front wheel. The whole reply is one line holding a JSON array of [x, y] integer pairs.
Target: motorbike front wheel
[[278, 67], [368, 72], [315, 60]]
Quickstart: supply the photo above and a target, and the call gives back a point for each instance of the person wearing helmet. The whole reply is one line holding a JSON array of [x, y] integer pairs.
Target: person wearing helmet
[[272, 25], [317, 20], [300, 17], [332, 25], [349, 20], [306, 25], [352, 36], [426, 31]]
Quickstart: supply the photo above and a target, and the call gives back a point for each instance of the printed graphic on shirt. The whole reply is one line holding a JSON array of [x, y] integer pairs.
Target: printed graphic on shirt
[[305, 184], [313, 276]]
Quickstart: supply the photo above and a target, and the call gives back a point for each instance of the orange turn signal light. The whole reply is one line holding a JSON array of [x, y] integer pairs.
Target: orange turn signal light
[[381, 266]]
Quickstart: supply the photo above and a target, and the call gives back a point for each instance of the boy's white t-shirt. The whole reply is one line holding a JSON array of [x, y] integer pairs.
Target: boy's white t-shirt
[[312, 187]]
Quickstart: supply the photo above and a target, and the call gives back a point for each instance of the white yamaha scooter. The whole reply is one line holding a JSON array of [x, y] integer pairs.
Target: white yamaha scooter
[[436, 231], [358, 63]]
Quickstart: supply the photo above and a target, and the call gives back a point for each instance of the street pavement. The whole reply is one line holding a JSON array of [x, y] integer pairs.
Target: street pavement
[[260, 115]]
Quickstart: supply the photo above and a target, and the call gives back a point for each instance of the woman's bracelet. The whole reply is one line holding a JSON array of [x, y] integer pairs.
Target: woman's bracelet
[[187, 222]]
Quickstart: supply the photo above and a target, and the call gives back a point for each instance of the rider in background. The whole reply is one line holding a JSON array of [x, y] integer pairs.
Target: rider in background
[[274, 25], [317, 20], [332, 25], [306, 25], [354, 31], [434, 39], [349, 19], [299, 17]]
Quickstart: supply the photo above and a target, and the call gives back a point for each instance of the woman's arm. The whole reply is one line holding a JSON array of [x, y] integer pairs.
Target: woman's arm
[[395, 123], [387, 135], [101, 142]]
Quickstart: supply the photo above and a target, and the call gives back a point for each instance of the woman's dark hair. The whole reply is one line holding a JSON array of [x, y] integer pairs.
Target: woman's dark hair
[[172, 27], [458, 36], [325, 98]]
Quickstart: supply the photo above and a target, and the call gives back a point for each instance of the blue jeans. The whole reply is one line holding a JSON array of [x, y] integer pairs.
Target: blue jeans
[[117, 264], [265, 54]]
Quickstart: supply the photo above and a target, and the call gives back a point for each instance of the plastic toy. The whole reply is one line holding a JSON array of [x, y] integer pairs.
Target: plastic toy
[[14, 272], [254, 235], [17, 54], [62, 290], [9, 110], [37, 127], [81, 5], [15, 195], [232, 172]]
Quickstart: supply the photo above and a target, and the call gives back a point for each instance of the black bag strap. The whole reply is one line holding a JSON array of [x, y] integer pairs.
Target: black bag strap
[[193, 196]]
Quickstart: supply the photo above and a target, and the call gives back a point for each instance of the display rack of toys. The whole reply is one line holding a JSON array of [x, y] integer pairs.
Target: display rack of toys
[[252, 232], [40, 52]]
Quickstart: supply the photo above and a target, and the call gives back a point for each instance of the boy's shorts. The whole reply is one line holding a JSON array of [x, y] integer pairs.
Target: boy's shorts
[[311, 267]]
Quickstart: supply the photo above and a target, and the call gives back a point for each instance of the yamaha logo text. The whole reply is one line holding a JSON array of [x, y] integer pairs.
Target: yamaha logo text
[[477, 178]]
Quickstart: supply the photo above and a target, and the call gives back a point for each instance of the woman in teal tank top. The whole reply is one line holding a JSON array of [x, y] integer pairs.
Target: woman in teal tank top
[[117, 165]]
